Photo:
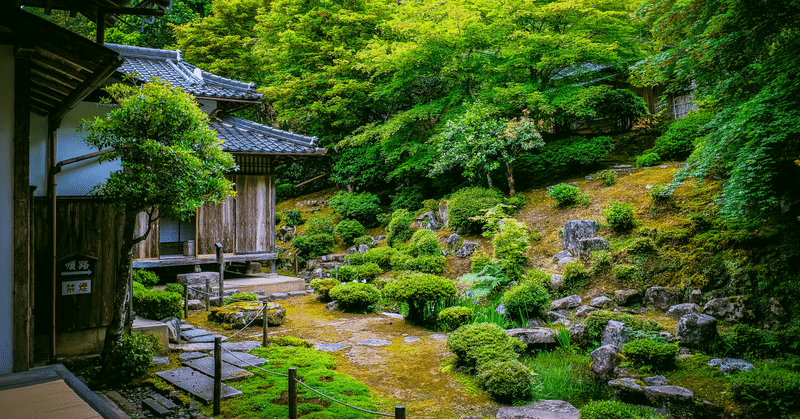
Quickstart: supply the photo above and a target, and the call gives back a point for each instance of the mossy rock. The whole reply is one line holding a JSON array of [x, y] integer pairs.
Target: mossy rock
[[238, 315]]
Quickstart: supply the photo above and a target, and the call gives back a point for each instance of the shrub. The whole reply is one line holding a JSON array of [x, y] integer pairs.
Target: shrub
[[365, 272], [525, 300], [479, 261], [355, 296], [134, 355], [382, 256], [510, 245], [620, 107], [430, 264], [429, 205], [425, 242], [319, 225], [399, 229], [649, 353], [400, 261], [367, 240], [454, 317], [606, 177], [155, 304], [642, 245], [145, 277], [601, 262], [535, 276], [363, 207], [771, 388], [620, 216], [349, 230], [507, 381], [485, 282], [678, 142], [416, 289], [478, 343], [383, 219], [323, 286], [173, 287], [575, 276], [243, 296], [610, 409], [284, 191], [314, 245], [407, 198], [649, 159], [596, 322], [660, 193], [567, 195], [293, 217], [518, 201], [467, 203], [627, 272]]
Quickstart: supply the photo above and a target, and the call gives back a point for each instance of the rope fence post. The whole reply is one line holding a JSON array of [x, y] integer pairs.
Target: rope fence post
[[292, 393], [221, 262], [400, 412], [217, 374], [186, 300], [208, 294], [265, 333]]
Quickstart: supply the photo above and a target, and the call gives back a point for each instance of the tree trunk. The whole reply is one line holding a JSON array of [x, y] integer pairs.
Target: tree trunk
[[116, 328], [510, 175], [489, 179]]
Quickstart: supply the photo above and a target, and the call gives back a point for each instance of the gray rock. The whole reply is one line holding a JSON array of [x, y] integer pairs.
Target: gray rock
[[656, 380], [697, 330], [535, 337], [730, 365], [351, 250], [576, 230], [392, 315], [556, 282], [193, 333], [578, 335], [438, 336], [453, 242], [160, 360], [317, 273], [604, 360], [207, 338], [584, 311], [696, 296], [430, 221], [410, 339], [601, 302], [563, 261], [562, 254], [776, 308], [467, 248], [377, 239], [296, 293], [625, 384], [333, 305], [614, 335], [253, 268], [362, 248], [592, 244], [727, 308], [174, 327], [330, 347], [661, 298], [185, 356], [196, 305], [627, 297], [286, 233], [667, 394], [679, 310], [500, 309], [542, 409], [195, 283], [279, 296], [443, 212], [665, 335], [374, 342], [571, 301]]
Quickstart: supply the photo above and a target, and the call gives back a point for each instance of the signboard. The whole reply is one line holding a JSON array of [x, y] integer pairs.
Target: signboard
[[76, 273]]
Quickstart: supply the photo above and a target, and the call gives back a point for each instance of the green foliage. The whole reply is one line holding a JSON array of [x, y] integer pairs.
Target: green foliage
[[649, 159], [349, 230], [362, 167], [510, 246], [611, 409], [173, 287], [355, 296], [526, 300], [416, 289], [563, 157], [567, 195], [145, 277], [485, 282], [575, 276], [284, 191], [467, 203], [517, 201], [746, 341], [407, 198], [601, 262], [431, 264], [596, 322], [399, 229], [620, 107], [381, 256], [314, 245], [429, 205], [772, 388], [607, 177], [323, 286], [293, 217], [619, 216], [626, 272], [481, 343], [649, 353], [363, 207], [641, 246], [290, 341], [134, 355], [366, 240], [564, 375], [507, 380], [479, 261], [155, 304], [535, 276], [364, 272], [243, 296], [424, 242], [454, 317], [319, 225], [678, 142]]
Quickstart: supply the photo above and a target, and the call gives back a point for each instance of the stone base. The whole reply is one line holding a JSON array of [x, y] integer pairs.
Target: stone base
[[148, 326]]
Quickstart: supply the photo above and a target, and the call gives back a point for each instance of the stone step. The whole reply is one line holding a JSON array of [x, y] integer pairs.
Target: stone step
[[206, 366], [155, 407], [197, 383], [163, 401]]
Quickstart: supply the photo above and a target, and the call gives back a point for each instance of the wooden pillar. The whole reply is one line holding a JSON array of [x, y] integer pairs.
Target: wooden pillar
[[22, 210], [101, 27], [271, 233], [52, 185]]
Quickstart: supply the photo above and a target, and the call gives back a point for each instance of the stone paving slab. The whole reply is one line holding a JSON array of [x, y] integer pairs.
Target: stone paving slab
[[186, 326], [374, 342], [206, 366], [438, 336], [194, 333], [410, 339], [191, 355], [243, 346], [206, 338], [330, 347], [393, 315], [197, 383], [242, 359]]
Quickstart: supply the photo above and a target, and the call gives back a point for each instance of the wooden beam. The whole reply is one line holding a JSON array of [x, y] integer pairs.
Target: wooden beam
[[62, 65], [136, 11], [200, 260], [40, 75]]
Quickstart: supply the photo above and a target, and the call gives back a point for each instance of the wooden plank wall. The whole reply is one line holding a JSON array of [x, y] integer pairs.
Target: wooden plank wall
[[88, 227], [251, 213], [270, 227], [216, 224], [147, 248]]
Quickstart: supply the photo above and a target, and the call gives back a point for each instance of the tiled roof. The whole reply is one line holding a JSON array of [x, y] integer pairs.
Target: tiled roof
[[169, 66], [245, 136]]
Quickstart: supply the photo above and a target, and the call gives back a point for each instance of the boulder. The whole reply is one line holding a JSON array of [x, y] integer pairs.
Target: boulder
[[174, 327], [443, 212], [535, 337], [604, 360], [776, 309], [562, 254], [557, 316], [377, 239], [627, 297], [500, 309], [614, 335], [601, 302], [576, 230], [286, 233], [331, 306], [196, 305], [542, 409], [584, 311], [578, 335], [467, 249], [661, 298], [730, 365], [660, 395], [195, 283], [317, 273], [567, 302], [591, 244], [430, 221], [727, 308], [696, 296], [628, 390], [563, 261], [656, 380], [238, 315], [453, 242], [679, 310], [351, 250], [556, 282], [362, 248], [696, 330]]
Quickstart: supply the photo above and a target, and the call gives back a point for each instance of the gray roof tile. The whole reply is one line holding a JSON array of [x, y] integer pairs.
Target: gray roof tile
[[245, 136]]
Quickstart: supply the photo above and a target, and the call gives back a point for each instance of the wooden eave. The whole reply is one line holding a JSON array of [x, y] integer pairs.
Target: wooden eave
[[93, 8]]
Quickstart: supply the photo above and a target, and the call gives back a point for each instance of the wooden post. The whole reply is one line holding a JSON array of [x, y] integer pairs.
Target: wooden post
[[208, 295], [264, 337], [186, 300], [400, 412], [221, 263], [101, 27], [217, 374], [52, 194], [292, 393]]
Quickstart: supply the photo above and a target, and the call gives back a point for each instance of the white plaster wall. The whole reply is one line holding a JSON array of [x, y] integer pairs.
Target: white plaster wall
[[78, 179], [39, 160], [6, 208]]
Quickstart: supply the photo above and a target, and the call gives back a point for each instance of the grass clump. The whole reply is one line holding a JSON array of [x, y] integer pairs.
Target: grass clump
[[610, 409], [525, 301], [773, 388], [620, 217], [564, 375], [649, 354], [243, 296], [567, 196]]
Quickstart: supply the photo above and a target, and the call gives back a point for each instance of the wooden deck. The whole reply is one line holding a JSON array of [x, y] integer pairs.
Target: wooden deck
[[200, 260]]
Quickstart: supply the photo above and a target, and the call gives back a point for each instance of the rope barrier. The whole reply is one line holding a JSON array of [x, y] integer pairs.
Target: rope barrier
[[251, 321]]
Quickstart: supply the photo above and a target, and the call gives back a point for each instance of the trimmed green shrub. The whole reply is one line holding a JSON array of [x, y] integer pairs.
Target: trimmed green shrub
[[322, 287], [467, 203], [349, 230], [517, 201], [678, 142], [567, 195], [510, 244], [355, 259], [145, 277], [134, 355], [479, 343], [535, 276], [400, 261], [620, 217], [417, 289], [155, 304], [173, 287], [319, 225], [606, 177], [575, 276], [365, 272], [610, 409], [525, 301], [429, 264], [479, 261], [314, 245], [649, 353], [355, 296], [399, 228], [293, 217], [507, 381], [454, 317], [244, 296], [425, 242], [382, 256], [772, 388], [284, 191], [367, 240], [363, 207], [384, 219], [649, 159]]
